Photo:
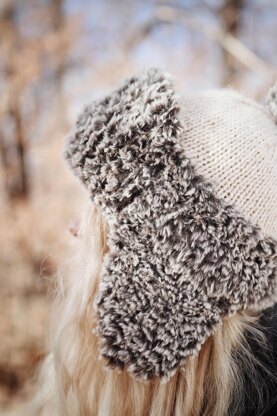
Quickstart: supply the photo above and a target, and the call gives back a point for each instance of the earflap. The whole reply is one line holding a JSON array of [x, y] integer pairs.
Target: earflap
[[116, 138], [180, 259]]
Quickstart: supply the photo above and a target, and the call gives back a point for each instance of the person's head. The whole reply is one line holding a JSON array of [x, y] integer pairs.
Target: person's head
[[176, 253]]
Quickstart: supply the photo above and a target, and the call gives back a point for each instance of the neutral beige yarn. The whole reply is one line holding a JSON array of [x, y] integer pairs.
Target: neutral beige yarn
[[232, 141]]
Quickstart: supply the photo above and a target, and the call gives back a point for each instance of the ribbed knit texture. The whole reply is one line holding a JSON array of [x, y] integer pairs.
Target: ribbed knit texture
[[232, 141]]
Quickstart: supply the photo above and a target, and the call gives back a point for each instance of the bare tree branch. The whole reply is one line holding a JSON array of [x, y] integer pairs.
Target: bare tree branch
[[168, 14], [230, 14]]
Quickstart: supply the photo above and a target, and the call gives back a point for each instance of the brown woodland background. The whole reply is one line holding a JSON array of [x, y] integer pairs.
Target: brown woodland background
[[56, 55]]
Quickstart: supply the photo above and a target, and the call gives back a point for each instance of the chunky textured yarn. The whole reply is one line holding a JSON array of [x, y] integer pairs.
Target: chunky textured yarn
[[180, 258]]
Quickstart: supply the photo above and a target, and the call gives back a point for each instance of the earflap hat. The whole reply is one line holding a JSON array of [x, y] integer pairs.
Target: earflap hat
[[187, 185]]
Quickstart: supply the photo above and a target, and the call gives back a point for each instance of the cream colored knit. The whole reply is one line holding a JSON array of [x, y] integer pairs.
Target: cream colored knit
[[232, 141]]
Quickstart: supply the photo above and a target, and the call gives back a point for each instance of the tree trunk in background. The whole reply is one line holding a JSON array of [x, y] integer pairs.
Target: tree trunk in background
[[58, 25], [13, 151], [231, 19], [4, 163]]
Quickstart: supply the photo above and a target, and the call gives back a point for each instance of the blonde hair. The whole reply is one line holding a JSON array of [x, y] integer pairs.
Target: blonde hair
[[73, 381]]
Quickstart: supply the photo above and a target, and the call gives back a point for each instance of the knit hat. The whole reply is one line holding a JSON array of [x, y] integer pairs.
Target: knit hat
[[187, 186]]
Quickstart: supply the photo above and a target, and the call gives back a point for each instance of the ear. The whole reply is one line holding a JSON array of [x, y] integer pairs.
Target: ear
[[74, 227], [180, 259]]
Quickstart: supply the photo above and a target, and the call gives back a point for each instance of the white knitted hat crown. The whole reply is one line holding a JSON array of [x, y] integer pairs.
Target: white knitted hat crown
[[232, 141]]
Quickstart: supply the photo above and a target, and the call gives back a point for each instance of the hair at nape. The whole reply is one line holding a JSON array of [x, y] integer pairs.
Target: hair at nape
[[74, 381]]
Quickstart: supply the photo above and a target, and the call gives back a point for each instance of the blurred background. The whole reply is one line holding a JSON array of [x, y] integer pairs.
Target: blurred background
[[56, 55]]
